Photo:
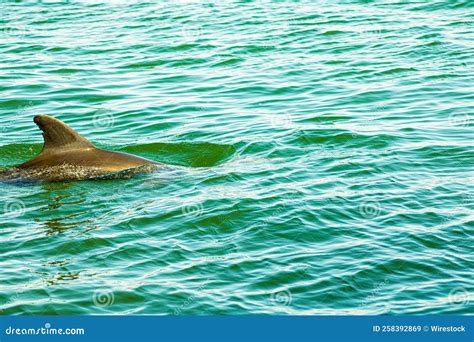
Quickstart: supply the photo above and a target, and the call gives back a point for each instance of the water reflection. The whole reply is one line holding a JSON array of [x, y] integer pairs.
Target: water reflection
[[60, 225], [63, 209], [63, 215]]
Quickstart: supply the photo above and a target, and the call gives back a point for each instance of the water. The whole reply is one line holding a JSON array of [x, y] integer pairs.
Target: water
[[321, 157]]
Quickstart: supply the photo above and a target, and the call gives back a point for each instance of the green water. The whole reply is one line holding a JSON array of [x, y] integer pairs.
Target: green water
[[322, 157]]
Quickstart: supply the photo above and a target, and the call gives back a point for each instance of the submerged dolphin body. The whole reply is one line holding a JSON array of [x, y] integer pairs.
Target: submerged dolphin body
[[67, 156]]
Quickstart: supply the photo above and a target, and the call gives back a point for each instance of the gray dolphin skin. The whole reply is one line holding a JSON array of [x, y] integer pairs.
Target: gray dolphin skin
[[67, 156]]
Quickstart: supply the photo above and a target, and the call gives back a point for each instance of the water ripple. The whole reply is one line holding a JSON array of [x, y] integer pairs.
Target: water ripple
[[320, 157]]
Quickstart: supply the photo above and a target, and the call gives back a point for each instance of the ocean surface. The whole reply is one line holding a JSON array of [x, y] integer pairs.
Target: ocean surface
[[321, 157]]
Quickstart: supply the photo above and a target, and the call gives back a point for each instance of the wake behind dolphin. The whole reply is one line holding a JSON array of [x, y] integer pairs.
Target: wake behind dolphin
[[67, 156]]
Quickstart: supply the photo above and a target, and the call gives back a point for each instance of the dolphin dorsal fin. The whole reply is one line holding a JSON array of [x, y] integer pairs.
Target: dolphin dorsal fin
[[59, 136]]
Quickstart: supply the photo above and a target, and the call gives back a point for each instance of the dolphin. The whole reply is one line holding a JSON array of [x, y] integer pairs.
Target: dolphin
[[67, 156]]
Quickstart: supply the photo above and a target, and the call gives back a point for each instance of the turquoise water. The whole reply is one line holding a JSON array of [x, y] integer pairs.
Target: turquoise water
[[321, 152]]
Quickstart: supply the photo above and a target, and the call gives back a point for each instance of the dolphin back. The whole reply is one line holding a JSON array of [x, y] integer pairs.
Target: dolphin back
[[59, 136]]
